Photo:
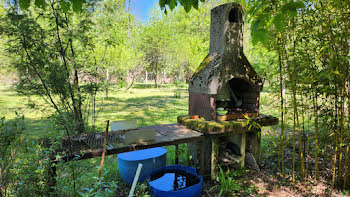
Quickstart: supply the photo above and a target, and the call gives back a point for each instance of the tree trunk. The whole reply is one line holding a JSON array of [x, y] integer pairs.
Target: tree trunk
[[335, 146], [107, 83], [132, 82], [281, 144], [156, 77], [315, 106], [292, 76]]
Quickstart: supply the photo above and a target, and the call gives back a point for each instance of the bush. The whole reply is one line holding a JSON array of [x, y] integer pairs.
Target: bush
[[10, 132]]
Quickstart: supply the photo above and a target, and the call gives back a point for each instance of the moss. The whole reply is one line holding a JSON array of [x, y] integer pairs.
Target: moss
[[215, 126], [205, 62], [212, 126], [180, 119]]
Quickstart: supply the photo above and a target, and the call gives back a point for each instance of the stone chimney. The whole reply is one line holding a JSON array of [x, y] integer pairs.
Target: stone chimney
[[226, 30], [225, 78]]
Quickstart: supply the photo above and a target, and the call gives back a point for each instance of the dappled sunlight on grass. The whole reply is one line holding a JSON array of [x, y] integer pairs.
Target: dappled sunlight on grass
[[147, 106]]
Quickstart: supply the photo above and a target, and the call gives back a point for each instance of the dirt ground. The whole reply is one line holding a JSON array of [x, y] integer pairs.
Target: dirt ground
[[262, 183]]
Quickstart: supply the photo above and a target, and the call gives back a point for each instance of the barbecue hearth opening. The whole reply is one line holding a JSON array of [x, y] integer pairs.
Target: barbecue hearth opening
[[237, 96]]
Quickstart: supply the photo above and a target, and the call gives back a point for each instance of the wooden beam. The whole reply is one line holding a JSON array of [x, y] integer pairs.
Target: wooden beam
[[113, 151], [214, 158], [105, 140], [243, 146]]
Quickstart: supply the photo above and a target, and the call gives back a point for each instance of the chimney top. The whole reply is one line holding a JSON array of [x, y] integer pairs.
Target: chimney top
[[226, 30], [226, 59]]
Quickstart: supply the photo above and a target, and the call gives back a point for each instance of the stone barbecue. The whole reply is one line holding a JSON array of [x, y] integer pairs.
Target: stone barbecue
[[225, 80], [223, 125], [224, 97]]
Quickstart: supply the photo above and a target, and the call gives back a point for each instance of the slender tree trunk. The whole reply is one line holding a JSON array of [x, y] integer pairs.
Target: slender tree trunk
[[281, 144], [336, 145], [341, 128], [346, 165], [347, 74], [292, 75], [78, 112], [132, 81], [293, 155], [156, 77], [347, 161], [76, 106], [107, 83], [305, 134], [315, 106]]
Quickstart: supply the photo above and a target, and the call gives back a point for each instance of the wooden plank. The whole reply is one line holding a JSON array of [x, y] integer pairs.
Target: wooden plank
[[123, 125], [243, 147], [214, 158], [97, 153], [173, 130], [166, 134]]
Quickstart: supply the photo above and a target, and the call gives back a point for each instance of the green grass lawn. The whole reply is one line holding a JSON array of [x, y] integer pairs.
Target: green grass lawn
[[149, 106]]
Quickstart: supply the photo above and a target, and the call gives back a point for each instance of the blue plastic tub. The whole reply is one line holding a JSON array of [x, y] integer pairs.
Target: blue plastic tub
[[161, 188], [152, 159]]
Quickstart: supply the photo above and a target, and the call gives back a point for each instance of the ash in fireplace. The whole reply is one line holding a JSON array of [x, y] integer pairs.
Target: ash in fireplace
[[229, 154]]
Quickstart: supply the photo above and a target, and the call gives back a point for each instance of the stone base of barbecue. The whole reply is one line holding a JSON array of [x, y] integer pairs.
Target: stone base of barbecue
[[252, 145], [194, 149]]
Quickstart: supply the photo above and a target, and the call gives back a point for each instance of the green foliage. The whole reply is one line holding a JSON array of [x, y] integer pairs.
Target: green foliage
[[49, 49], [187, 4], [227, 184], [23, 161], [102, 188], [142, 190], [267, 20], [179, 56], [117, 44], [10, 137], [78, 5]]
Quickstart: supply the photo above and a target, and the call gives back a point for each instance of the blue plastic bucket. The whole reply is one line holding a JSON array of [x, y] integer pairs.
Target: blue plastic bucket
[[161, 189], [151, 159]]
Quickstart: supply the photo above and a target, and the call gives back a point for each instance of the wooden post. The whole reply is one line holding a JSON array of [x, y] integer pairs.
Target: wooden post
[[214, 158], [103, 151], [243, 146]]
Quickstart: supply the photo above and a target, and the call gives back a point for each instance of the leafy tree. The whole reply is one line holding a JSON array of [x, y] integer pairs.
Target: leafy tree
[[49, 49], [311, 40], [10, 133]]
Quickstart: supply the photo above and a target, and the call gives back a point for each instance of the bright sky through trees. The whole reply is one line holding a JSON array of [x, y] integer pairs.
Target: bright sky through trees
[[141, 8]]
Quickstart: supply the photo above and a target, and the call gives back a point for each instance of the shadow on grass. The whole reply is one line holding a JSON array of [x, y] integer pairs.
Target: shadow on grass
[[148, 110]]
